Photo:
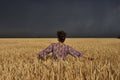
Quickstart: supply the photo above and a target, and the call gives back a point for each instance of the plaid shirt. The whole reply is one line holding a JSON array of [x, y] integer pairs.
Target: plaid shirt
[[60, 50]]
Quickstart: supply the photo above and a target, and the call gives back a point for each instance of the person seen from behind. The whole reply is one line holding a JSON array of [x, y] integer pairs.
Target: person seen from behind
[[61, 50]]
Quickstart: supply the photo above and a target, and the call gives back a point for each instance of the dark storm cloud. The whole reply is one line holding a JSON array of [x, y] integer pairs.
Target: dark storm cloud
[[44, 17]]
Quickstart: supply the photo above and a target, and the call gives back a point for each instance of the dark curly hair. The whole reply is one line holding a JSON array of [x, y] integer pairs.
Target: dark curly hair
[[61, 36]]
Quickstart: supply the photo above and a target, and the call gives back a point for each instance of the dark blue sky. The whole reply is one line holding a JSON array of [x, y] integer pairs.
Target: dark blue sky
[[95, 18]]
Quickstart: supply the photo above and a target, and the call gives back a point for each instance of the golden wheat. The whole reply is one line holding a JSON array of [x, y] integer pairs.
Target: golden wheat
[[17, 61]]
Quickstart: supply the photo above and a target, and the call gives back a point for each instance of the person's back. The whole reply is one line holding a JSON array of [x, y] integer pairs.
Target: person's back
[[60, 50]]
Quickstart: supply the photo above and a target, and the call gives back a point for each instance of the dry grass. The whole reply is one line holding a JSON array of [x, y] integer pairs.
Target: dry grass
[[17, 63]]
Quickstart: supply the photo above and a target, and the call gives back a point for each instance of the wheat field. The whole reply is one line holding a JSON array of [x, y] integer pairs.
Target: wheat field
[[17, 61]]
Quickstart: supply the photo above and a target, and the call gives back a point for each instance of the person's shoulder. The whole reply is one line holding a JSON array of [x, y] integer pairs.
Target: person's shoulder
[[66, 45]]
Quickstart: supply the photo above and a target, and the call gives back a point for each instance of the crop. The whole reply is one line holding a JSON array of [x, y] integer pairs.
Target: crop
[[17, 61]]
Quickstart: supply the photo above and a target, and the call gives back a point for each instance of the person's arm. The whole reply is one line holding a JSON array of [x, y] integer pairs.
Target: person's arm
[[76, 53], [45, 51]]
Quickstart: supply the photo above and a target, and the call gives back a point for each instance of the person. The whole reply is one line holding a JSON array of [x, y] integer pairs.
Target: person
[[61, 50]]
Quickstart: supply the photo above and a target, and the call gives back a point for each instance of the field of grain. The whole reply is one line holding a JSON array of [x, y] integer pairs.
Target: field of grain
[[17, 61]]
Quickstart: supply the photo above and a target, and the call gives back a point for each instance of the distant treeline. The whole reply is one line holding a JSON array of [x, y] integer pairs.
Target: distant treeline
[[24, 36], [51, 36]]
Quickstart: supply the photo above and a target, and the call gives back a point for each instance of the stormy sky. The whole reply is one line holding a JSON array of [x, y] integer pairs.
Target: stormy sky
[[78, 18]]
